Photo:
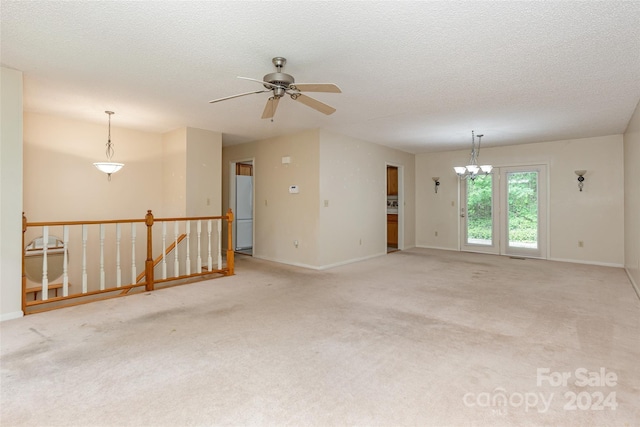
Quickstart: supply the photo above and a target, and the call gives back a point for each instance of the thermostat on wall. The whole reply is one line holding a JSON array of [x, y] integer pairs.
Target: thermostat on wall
[[293, 189]]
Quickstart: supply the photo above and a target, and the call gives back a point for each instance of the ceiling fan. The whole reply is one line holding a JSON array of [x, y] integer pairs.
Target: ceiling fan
[[281, 84]]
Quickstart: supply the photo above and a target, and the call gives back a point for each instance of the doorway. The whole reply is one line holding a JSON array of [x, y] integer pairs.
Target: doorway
[[242, 184], [505, 212], [395, 209]]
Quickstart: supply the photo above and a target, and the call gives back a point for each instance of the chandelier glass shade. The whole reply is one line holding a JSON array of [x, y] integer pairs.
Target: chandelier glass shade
[[472, 169], [109, 167]]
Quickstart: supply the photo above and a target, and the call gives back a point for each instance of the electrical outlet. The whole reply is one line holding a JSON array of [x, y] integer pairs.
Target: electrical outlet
[[295, 243]]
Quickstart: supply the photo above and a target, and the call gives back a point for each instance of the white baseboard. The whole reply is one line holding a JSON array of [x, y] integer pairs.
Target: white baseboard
[[633, 282], [351, 261], [577, 261], [437, 247], [11, 316], [321, 267]]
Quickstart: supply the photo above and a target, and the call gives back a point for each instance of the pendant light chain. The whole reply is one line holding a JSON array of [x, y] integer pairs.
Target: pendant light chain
[[110, 150]]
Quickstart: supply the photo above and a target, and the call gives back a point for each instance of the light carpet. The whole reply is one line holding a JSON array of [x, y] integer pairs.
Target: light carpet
[[418, 337]]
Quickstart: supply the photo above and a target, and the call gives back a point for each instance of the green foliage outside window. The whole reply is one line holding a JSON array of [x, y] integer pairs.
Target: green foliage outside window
[[522, 202]]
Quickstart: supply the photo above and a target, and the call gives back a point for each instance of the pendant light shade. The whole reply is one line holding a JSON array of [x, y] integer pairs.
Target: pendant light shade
[[109, 167]]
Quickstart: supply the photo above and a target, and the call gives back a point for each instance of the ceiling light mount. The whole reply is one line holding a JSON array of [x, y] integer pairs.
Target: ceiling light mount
[[109, 167], [472, 170]]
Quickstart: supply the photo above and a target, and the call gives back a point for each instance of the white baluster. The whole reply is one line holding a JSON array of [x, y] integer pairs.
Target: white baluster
[[188, 259], [134, 273], [209, 259], [176, 265], [219, 244], [164, 249], [102, 257], [118, 268], [199, 259], [45, 265], [84, 258], [65, 262]]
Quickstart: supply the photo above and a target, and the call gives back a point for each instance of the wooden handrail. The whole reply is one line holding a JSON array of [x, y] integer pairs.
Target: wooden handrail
[[117, 221], [166, 252], [149, 263]]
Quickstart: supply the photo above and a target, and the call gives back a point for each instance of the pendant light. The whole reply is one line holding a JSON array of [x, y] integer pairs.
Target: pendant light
[[472, 169], [109, 167]]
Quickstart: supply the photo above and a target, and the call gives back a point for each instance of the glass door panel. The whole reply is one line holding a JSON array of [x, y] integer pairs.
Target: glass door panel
[[524, 211], [478, 215]]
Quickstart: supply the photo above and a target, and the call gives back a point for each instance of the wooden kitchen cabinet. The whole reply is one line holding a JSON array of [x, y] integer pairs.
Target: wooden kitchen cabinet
[[244, 169], [392, 180], [392, 230]]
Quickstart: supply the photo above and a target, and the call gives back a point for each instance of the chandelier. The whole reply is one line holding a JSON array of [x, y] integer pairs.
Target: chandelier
[[472, 169], [109, 167]]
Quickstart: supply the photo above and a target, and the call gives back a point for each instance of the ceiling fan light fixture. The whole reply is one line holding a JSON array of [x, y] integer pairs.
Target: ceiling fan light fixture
[[281, 84]]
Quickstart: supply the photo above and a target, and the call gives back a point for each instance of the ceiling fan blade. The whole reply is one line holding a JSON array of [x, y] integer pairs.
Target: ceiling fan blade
[[314, 103], [259, 81], [236, 96], [270, 108], [316, 87]]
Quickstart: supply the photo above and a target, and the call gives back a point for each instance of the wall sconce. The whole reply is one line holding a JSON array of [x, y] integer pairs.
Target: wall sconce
[[436, 180], [581, 174]]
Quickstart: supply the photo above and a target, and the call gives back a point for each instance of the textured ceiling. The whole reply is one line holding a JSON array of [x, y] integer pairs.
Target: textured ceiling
[[417, 76]]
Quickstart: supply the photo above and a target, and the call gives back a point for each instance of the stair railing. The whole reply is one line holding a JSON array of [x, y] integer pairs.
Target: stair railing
[[88, 257]]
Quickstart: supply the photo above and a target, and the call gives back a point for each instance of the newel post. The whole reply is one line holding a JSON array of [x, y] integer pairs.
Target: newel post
[[230, 243], [24, 275], [148, 264]]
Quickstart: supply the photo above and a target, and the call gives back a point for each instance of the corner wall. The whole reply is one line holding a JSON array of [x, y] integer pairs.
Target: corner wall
[[280, 217], [594, 216], [353, 176], [632, 199], [10, 194]]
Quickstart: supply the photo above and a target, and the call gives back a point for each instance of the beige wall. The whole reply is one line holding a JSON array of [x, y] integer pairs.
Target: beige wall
[[281, 217], [191, 172], [204, 172], [632, 199], [174, 173], [61, 183], [349, 174], [353, 182], [594, 216], [10, 194]]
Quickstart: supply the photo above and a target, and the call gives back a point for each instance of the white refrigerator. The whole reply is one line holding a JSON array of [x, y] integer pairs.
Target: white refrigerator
[[244, 212]]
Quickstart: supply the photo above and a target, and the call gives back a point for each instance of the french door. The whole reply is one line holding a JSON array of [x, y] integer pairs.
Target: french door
[[505, 212]]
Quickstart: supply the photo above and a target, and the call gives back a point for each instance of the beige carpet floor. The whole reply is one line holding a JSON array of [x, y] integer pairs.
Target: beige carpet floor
[[418, 337]]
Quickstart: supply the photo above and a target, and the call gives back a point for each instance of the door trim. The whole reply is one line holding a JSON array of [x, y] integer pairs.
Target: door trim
[[232, 197]]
